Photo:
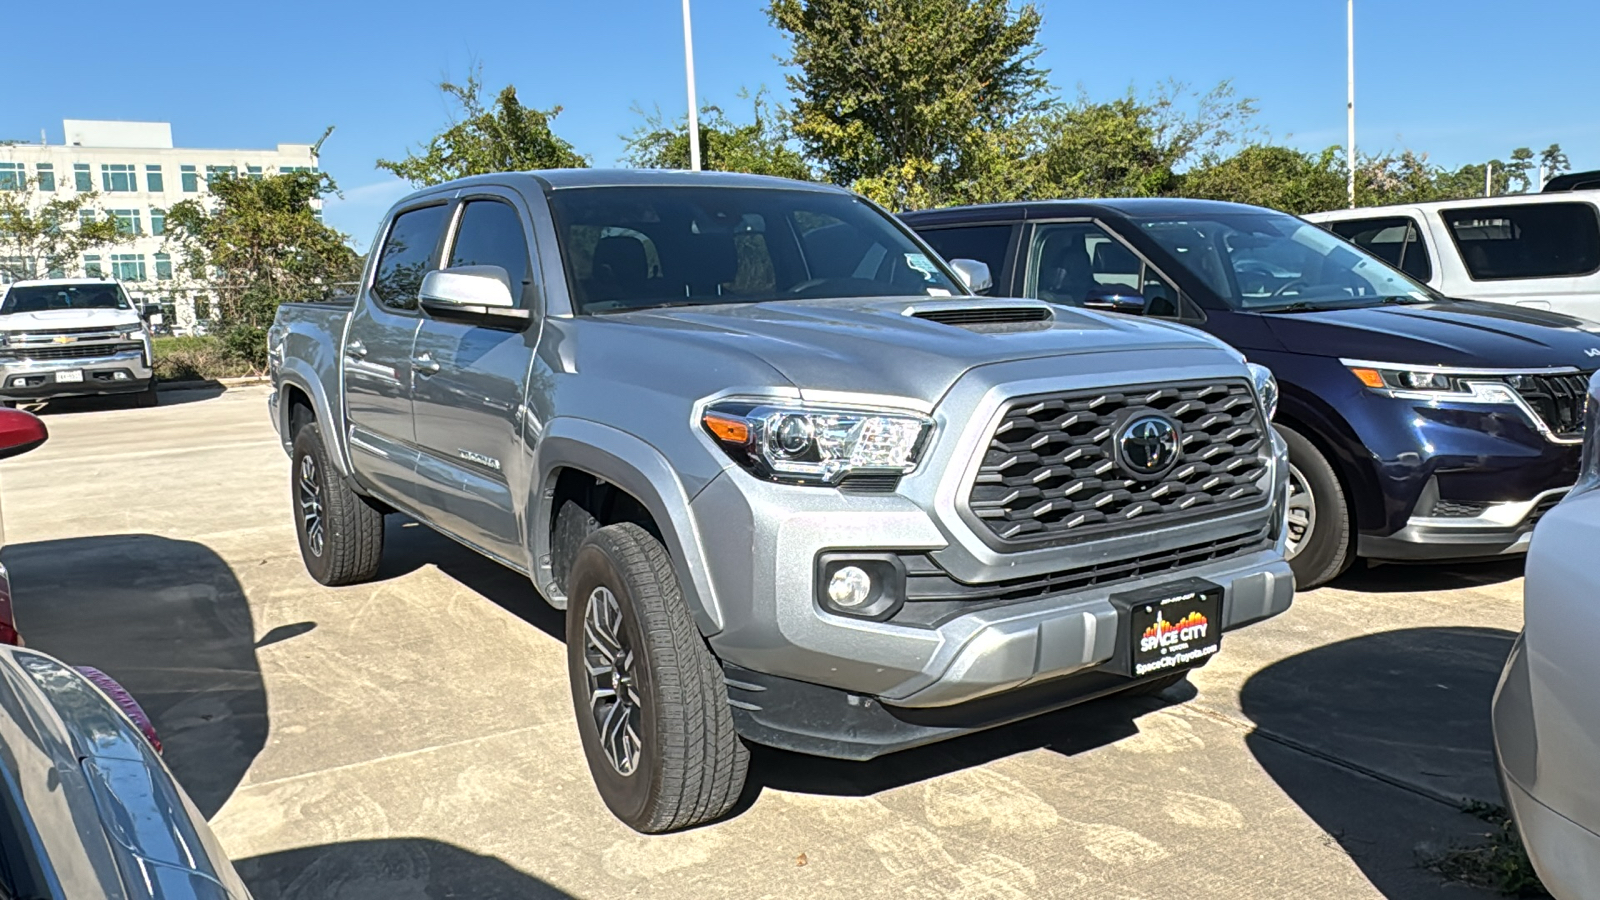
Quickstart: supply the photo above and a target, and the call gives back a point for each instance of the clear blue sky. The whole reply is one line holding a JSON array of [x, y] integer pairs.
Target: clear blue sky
[[1463, 80]]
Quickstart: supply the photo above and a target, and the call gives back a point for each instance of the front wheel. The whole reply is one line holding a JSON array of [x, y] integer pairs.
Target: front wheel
[[1319, 542], [651, 704], [340, 531], [147, 397]]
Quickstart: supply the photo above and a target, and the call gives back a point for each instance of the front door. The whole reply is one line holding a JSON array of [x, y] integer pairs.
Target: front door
[[467, 400], [377, 354]]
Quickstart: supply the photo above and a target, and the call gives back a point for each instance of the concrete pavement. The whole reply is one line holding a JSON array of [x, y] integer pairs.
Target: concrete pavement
[[413, 738]]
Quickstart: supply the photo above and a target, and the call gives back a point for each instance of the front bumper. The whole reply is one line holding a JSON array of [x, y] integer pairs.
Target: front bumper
[[122, 372], [1564, 853], [1502, 529]]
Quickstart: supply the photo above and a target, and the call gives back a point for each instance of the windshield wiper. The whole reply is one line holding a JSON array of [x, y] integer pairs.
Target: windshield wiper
[[1401, 300], [1299, 306]]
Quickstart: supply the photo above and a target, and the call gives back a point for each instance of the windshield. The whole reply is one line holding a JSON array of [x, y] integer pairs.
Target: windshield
[[1270, 262], [46, 297], [630, 248]]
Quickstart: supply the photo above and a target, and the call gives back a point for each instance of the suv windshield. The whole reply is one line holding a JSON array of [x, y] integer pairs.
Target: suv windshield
[[632, 248], [45, 297], [1268, 262]]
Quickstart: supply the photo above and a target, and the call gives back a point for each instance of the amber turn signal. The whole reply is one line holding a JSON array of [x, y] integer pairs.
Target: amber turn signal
[[727, 428], [1372, 378]]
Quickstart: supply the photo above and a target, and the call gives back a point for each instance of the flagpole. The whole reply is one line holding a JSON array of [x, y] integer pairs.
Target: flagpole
[[694, 110]]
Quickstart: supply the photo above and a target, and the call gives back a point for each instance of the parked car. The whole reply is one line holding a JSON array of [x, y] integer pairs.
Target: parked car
[[87, 808], [1419, 428], [1546, 719], [1540, 251], [790, 481], [71, 337], [1573, 181]]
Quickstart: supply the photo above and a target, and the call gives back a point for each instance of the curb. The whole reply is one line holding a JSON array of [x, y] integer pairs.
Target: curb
[[224, 383]]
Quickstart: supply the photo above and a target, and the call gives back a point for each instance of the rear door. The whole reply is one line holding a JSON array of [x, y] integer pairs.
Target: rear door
[[471, 375], [377, 352]]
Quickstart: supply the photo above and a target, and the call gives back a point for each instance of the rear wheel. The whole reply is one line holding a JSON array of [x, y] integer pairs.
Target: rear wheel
[[340, 531], [651, 704], [1320, 544]]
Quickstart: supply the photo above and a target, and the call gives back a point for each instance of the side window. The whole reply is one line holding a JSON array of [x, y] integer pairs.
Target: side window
[[985, 243], [491, 234], [1067, 261], [1533, 240], [406, 254], [1395, 240]]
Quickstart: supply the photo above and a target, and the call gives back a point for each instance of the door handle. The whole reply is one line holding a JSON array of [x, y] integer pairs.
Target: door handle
[[355, 349], [424, 365]]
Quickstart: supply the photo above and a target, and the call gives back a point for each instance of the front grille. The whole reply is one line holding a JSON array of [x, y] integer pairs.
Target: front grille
[[1557, 399], [1458, 509], [70, 351], [1050, 470], [1542, 507], [48, 333], [933, 596]]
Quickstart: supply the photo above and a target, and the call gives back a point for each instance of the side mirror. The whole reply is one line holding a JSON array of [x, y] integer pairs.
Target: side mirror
[[1115, 299], [975, 275], [478, 291], [20, 432]]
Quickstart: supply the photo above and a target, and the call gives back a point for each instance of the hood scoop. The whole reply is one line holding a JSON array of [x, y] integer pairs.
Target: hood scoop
[[994, 318]]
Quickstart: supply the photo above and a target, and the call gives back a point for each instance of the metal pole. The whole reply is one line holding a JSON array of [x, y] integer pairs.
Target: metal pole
[[1350, 109], [694, 109], [1488, 179]]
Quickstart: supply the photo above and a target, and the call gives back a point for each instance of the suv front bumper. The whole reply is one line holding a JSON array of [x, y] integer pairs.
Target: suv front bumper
[[126, 371], [1501, 529]]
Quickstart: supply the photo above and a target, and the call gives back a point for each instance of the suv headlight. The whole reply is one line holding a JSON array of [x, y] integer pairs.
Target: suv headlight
[[1426, 383], [1266, 388], [802, 444]]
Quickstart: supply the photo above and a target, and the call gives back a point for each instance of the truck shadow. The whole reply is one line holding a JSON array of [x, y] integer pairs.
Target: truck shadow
[[1382, 740], [410, 868], [1421, 578], [168, 620]]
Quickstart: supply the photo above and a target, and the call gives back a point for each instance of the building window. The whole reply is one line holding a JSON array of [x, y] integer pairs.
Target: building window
[[12, 176], [253, 172], [56, 272], [163, 267], [15, 268], [202, 308], [290, 170], [118, 178], [127, 221], [127, 266], [85, 217], [191, 181], [215, 172], [46, 176], [158, 221], [80, 177], [91, 266], [153, 181]]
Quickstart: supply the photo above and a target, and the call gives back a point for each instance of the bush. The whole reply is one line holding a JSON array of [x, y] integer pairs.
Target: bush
[[197, 358]]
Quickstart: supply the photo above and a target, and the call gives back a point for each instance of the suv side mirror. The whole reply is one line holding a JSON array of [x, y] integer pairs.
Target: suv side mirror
[[1115, 299], [476, 291], [975, 275], [20, 432]]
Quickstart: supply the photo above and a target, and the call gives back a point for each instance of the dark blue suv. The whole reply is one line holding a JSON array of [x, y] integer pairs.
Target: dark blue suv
[[1419, 427]]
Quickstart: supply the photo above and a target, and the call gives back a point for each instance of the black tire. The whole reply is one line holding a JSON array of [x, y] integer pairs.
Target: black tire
[[1155, 685], [148, 397], [1328, 546], [341, 533], [674, 760]]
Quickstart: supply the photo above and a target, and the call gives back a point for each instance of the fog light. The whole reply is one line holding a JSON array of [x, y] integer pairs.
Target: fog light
[[120, 376], [850, 587]]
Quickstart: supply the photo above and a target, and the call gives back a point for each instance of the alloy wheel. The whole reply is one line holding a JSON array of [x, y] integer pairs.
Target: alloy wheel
[[614, 698], [311, 504], [1302, 518]]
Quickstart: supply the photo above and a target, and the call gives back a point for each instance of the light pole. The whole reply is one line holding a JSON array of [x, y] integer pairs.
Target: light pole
[[694, 111], [1350, 108]]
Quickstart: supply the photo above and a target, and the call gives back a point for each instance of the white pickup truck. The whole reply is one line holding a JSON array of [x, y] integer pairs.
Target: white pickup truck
[[70, 337], [1534, 250]]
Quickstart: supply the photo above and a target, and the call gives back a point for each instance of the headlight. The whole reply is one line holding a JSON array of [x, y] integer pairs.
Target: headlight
[[133, 334], [1589, 470], [1428, 383], [1266, 388], [804, 444]]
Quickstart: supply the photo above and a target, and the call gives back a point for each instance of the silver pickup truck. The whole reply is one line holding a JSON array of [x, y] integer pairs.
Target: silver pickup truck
[[791, 479]]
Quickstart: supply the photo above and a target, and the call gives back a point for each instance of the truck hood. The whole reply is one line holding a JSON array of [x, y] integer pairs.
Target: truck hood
[[68, 318], [880, 345], [1444, 333]]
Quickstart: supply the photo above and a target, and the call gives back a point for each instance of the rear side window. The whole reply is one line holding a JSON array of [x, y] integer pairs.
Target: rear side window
[[490, 234], [1545, 240], [406, 254], [985, 243], [1394, 240]]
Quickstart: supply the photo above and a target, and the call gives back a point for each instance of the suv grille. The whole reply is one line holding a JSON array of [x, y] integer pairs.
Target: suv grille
[[1051, 471], [1558, 399]]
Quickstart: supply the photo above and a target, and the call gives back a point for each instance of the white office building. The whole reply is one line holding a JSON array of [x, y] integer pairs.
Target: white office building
[[139, 175]]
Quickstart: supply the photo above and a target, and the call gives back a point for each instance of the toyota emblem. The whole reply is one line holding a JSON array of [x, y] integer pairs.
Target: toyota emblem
[[1149, 445]]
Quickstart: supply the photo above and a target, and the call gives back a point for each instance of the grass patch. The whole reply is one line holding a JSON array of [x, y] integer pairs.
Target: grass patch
[[197, 358], [1500, 863]]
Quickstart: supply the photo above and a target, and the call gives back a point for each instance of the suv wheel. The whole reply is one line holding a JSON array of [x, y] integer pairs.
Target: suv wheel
[[1319, 542], [651, 704], [341, 533]]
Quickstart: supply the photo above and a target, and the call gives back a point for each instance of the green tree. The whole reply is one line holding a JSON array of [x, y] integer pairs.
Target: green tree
[[1520, 170], [1554, 161], [260, 243], [504, 136], [1274, 177], [760, 147], [908, 101], [45, 234]]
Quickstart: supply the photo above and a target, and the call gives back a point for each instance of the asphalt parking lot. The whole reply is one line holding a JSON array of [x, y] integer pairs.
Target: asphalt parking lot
[[413, 738]]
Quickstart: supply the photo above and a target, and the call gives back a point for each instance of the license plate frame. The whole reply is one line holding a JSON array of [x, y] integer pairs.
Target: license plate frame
[[69, 376], [1168, 627]]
